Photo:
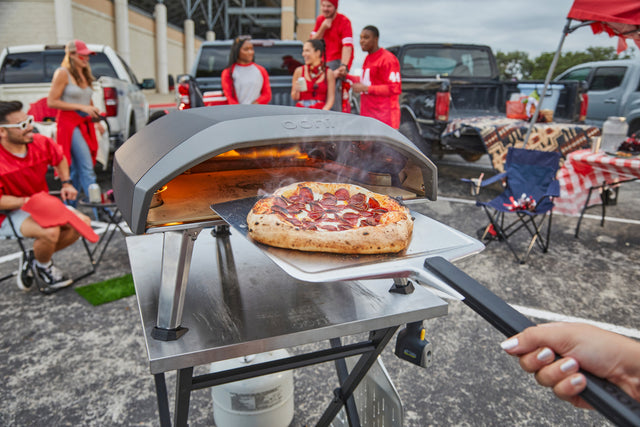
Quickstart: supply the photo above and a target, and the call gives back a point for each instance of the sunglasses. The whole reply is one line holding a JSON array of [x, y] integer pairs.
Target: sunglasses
[[23, 125]]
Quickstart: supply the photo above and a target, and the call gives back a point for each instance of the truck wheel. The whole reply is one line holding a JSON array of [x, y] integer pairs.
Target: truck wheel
[[409, 130]]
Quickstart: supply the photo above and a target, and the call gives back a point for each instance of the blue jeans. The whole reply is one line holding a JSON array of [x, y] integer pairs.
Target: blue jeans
[[81, 170]]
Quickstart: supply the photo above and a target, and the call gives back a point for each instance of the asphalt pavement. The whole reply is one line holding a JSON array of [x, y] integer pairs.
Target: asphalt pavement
[[64, 362]]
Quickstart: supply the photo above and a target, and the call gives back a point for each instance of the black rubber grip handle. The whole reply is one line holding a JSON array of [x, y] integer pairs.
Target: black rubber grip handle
[[607, 398]]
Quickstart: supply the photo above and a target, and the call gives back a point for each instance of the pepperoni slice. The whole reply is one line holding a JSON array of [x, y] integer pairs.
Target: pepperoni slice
[[328, 227], [342, 194], [296, 198], [316, 215], [295, 222], [296, 208], [371, 221], [380, 211], [306, 194], [373, 203], [279, 201], [358, 198], [342, 227], [279, 209], [351, 217]]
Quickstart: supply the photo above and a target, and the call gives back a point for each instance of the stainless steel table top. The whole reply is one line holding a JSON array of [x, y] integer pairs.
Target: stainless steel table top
[[239, 302]]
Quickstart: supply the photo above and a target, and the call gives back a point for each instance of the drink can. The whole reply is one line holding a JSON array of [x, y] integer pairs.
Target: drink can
[[95, 195], [302, 84]]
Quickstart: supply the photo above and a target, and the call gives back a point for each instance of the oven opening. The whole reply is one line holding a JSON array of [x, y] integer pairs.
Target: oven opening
[[261, 169]]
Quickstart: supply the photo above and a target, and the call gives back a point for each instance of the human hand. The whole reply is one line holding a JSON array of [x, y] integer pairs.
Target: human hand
[[326, 24], [359, 87], [604, 354], [92, 111], [340, 72], [68, 192]]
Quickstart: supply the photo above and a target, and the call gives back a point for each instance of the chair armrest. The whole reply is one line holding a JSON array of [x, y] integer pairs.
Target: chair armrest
[[554, 189]]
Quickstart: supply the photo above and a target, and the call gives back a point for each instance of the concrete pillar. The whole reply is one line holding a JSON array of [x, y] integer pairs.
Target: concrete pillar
[[287, 17], [160, 14], [210, 36], [189, 44], [64, 21], [306, 18], [121, 12]]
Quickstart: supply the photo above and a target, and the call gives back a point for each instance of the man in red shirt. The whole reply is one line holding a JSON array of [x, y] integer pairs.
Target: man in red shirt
[[335, 29], [380, 86], [24, 159]]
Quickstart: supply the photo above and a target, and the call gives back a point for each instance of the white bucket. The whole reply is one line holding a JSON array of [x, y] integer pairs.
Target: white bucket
[[614, 132], [265, 401]]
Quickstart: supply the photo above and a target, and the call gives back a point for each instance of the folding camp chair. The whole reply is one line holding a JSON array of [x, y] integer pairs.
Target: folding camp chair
[[529, 187], [28, 277]]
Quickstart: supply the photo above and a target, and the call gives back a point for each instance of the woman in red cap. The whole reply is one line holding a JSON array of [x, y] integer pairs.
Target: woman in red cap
[[312, 85], [71, 93]]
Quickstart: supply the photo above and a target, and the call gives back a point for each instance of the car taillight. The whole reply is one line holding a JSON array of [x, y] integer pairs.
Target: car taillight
[[110, 101], [442, 106], [584, 106], [183, 92]]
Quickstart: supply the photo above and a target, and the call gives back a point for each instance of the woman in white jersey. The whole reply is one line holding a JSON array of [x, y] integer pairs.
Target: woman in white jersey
[[244, 81], [70, 94]]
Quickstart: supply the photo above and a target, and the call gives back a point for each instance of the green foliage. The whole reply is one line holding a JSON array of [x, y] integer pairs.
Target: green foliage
[[517, 65]]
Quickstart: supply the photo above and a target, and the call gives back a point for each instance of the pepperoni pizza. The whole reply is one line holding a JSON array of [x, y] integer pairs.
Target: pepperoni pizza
[[327, 217]]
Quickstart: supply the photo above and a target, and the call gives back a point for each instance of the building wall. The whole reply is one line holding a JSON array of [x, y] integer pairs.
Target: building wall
[[26, 22]]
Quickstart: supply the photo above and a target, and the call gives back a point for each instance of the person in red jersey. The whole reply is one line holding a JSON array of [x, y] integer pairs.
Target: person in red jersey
[[24, 160], [335, 29], [312, 85], [244, 81], [380, 86]]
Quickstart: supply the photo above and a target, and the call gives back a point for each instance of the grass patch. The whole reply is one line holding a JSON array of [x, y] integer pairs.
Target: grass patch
[[107, 291]]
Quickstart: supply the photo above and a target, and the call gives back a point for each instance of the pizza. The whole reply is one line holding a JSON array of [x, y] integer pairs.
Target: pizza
[[329, 217]]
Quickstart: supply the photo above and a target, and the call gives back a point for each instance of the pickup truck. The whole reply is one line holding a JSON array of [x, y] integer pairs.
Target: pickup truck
[[26, 72], [203, 87], [441, 82], [613, 88]]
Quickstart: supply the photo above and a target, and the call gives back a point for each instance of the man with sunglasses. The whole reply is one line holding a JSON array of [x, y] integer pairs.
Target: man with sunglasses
[[24, 160]]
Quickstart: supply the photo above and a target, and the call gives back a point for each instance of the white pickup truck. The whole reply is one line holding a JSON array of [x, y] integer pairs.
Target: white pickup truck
[[26, 72]]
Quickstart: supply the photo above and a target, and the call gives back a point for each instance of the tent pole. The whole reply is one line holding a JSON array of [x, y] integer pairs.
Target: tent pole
[[567, 29]]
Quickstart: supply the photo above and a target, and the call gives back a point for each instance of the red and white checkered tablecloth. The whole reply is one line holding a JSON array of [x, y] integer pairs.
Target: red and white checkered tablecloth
[[584, 169]]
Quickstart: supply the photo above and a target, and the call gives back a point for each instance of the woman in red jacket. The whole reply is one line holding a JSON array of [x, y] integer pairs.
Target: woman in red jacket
[[312, 86], [244, 81], [71, 93]]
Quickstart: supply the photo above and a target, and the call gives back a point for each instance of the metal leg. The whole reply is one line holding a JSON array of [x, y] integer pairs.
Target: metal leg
[[184, 381], [163, 400], [380, 338], [343, 373]]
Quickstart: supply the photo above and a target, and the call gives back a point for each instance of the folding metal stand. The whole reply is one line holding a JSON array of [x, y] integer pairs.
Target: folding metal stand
[[238, 302]]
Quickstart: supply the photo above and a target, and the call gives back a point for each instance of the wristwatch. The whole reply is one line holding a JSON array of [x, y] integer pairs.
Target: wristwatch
[[345, 66], [66, 181]]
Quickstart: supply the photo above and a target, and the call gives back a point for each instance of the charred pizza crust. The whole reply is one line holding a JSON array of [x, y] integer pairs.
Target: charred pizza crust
[[385, 227]]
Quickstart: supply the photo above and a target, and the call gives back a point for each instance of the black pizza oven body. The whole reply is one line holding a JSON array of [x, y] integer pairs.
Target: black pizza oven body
[[189, 140]]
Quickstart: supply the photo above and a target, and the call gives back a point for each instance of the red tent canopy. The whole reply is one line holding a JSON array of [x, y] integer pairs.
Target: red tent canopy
[[615, 17]]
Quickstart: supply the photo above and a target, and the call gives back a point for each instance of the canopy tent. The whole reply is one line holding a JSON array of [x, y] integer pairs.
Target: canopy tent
[[615, 17], [619, 18]]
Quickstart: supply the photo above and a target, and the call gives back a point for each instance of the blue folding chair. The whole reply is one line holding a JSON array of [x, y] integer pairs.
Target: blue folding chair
[[526, 202]]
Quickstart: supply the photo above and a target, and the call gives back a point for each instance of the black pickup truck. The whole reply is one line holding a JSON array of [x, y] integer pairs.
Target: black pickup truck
[[442, 82], [203, 87]]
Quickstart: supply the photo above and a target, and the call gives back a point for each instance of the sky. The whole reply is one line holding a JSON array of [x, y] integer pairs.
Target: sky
[[533, 26]]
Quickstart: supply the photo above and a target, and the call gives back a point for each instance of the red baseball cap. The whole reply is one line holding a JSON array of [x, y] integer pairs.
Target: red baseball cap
[[334, 3], [79, 47]]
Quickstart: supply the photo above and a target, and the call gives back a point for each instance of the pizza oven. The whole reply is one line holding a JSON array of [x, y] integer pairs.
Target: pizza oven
[[169, 173], [166, 177]]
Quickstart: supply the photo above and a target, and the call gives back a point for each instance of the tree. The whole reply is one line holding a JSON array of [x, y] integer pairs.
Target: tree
[[517, 65], [514, 65]]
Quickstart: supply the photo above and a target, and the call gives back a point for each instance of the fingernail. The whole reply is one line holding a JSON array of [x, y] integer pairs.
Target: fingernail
[[577, 380], [509, 344], [545, 354], [568, 365]]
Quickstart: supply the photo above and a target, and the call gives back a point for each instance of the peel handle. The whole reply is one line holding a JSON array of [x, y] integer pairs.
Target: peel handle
[[607, 398]]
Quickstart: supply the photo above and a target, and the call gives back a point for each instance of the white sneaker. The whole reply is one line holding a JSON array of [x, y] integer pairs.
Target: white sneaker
[[52, 277]]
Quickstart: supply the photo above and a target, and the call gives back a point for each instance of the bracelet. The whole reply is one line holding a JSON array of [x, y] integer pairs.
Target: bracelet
[[66, 181]]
